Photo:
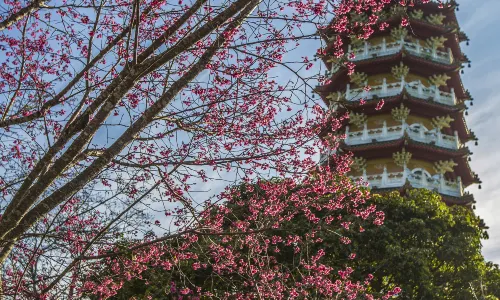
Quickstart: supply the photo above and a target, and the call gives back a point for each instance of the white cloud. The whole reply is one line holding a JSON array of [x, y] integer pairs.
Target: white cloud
[[479, 21]]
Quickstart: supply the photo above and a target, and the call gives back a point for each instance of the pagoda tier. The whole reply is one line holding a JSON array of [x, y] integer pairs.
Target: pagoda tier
[[422, 29], [426, 109], [381, 65], [418, 137], [421, 26], [420, 151]]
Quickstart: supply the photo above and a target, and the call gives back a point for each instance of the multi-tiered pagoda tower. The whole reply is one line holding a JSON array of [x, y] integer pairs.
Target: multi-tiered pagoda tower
[[419, 137]]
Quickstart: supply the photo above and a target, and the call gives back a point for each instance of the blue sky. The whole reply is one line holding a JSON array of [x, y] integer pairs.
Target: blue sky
[[480, 21]]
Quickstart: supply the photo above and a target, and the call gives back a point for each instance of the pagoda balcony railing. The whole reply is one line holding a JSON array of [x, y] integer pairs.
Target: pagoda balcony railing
[[417, 178], [416, 132], [368, 51], [414, 88]]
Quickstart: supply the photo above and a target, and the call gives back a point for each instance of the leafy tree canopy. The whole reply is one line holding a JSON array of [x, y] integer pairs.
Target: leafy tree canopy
[[429, 250]]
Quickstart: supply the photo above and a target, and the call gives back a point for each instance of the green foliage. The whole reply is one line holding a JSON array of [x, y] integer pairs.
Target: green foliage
[[156, 281], [431, 251], [490, 281]]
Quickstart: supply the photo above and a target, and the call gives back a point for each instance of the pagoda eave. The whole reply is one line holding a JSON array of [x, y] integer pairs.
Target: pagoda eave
[[420, 27], [420, 106], [464, 168], [436, 7], [424, 29], [431, 28], [427, 29], [376, 64], [419, 150], [377, 149], [383, 64]]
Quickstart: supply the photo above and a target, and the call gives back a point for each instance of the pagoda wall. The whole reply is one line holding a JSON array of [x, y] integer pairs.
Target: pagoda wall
[[378, 79], [377, 121], [376, 166]]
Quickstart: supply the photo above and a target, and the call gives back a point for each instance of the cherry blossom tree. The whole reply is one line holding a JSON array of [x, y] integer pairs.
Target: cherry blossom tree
[[119, 118], [284, 256]]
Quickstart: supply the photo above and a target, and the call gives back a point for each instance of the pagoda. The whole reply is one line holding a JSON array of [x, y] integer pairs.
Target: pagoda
[[418, 138]]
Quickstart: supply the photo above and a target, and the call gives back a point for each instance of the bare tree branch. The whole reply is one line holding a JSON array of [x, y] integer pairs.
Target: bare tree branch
[[23, 12]]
